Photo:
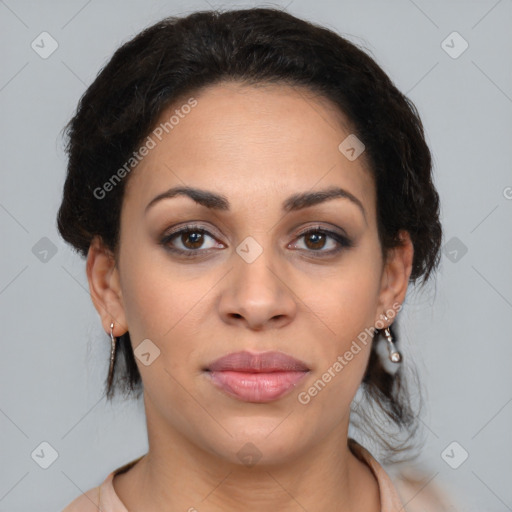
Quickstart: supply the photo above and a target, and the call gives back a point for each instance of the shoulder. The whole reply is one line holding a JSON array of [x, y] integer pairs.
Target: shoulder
[[418, 490], [103, 497], [406, 486], [86, 502]]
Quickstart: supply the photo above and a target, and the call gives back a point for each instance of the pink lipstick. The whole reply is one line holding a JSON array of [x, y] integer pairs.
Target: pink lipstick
[[257, 377]]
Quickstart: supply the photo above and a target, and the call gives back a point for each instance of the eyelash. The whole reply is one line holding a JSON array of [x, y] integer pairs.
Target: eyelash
[[343, 241]]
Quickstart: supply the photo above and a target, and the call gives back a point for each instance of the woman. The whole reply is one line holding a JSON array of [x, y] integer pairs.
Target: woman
[[253, 196]]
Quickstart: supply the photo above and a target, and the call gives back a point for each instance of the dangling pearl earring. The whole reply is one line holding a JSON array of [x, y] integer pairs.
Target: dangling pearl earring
[[394, 354], [112, 354]]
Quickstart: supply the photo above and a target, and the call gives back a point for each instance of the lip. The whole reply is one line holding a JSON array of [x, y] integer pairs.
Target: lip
[[256, 377], [262, 362]]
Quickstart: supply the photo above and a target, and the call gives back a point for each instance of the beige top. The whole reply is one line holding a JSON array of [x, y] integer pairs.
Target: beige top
[[104, 498]]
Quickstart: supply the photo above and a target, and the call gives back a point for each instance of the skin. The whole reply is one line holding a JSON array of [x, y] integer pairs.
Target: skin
[[256, 146]]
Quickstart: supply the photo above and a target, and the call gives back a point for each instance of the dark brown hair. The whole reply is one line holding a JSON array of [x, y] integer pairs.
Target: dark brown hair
[[178, 56]]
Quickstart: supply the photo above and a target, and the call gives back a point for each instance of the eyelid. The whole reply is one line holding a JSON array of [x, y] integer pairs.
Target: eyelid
[[190, 226], [322, 227], [184, 228], [341, 238], [336, 233]]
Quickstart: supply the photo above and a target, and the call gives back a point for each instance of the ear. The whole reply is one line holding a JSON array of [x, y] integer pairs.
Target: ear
[[104, 286], [395, 275]]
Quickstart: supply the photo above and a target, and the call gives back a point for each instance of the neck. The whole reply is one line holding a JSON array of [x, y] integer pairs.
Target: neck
[[177, 474]]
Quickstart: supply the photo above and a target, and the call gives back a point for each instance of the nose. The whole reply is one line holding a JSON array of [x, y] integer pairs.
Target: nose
[[258, 295]]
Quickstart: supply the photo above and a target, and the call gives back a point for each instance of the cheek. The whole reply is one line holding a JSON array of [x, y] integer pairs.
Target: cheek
[[162, 306], [347, 299], [346, 305], [150, 302], [155, 305], [342, 354]]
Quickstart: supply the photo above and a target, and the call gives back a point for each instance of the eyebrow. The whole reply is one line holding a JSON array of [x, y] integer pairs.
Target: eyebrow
[[295, 202]]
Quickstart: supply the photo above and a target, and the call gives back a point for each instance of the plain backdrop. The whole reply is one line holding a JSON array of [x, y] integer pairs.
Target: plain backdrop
[[54, 351]]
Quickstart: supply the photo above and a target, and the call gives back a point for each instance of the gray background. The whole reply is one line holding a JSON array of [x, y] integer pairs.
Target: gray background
[[54, 351]]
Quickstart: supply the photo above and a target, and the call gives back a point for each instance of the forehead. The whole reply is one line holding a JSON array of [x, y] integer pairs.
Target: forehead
[[251, 142]]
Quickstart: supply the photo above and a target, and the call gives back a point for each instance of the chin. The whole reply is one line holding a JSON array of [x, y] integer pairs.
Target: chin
[[258, 441]]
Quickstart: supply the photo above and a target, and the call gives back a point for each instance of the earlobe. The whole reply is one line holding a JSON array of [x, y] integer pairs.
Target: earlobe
[[104, 286], [396, 273]]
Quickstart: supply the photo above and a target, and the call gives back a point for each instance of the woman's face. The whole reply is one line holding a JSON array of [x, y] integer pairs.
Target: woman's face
[[252, 281]]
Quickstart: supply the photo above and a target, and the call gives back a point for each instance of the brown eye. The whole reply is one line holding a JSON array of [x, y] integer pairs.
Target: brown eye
[[315, 240], [192, 239], [189, 241]]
